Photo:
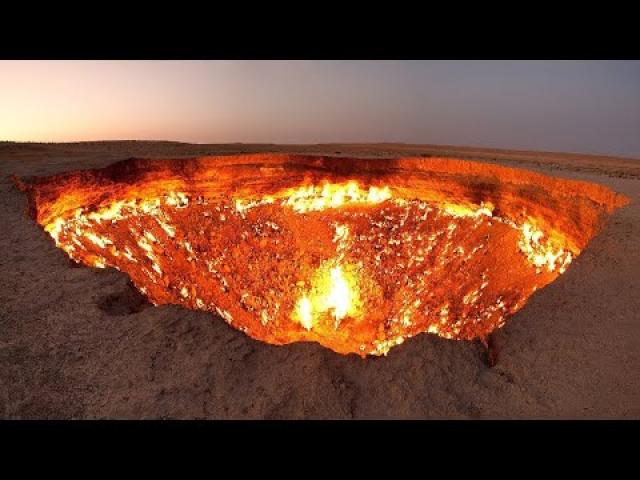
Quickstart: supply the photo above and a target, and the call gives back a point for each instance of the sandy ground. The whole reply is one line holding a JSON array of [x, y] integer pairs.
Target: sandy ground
[[77, 342]]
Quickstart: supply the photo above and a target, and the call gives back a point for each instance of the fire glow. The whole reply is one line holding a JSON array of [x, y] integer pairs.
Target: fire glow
[[338, 251]]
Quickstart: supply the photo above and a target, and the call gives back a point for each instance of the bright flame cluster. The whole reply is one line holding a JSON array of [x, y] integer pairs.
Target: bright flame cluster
[[117, 210], [334, 291], [542, 254], [79, 224], [461, 210], [333, 195]]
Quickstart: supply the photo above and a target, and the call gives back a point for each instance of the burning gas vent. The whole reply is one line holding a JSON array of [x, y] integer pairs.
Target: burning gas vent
[[355, 254]]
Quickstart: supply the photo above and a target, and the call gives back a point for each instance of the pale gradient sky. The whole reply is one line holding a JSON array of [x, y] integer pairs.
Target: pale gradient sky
[[577, 106]]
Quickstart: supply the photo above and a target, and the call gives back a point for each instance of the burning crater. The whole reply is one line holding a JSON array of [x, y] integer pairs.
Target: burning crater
[[355, 254]]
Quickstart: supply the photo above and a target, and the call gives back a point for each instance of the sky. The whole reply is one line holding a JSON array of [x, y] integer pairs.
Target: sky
[[569, 106]]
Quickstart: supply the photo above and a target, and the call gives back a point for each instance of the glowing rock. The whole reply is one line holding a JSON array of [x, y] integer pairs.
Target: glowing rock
[[355, 254]]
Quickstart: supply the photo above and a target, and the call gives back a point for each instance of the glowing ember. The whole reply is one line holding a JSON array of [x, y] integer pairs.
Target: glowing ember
[[355, 254]]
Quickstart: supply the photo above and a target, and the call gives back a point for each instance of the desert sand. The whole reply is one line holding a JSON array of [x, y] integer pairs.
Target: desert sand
[[79, 342]]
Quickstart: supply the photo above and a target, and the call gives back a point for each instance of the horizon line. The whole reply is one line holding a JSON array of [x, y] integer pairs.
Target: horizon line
[[432, 145]]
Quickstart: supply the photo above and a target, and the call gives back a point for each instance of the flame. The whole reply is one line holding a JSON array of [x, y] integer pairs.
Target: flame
[[465, 210], [332, 195], [304, 312], [334, 291], [244, 205], [340, 295], [542, 254]]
